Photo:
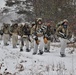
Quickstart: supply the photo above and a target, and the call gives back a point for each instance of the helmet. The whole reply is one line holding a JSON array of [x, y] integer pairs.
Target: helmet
[[6, 25], [39, 19], [65, 20], [15, 25], [33, 23]]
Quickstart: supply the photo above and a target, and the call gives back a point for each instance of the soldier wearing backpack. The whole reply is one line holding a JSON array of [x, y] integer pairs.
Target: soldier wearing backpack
[[14, 32], [38, 40], [47, 37], [6, 32], [64, 32], [25, 37]]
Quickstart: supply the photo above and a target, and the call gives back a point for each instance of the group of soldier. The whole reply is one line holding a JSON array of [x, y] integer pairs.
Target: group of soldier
[[37, 36]]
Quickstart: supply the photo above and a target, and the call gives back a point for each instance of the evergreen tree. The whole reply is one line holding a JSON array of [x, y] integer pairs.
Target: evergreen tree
[[22, 8]]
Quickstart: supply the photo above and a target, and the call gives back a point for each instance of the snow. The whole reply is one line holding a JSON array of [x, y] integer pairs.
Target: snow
[[46, 64], [2, 3]]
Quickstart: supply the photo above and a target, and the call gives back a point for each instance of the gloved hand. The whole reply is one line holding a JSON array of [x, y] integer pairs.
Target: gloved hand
[[29, 39], [37, 41]]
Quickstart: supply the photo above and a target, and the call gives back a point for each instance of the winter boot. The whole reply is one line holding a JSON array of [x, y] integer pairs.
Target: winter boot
[[34, 53], [45, 50], [21, 50], [40, 52], [62, 55], [14, 46], [6, 44], [27, 50]]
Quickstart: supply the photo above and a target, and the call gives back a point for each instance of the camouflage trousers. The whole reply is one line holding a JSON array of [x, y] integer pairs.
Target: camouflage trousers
[[14, 40], [32, 42], [23, 42]]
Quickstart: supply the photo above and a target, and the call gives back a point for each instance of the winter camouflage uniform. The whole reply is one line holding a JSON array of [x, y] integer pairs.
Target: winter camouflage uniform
[[14, 32], [32, 35], [38, 38], [6, 32], [48, 35], [64, 33], [25, 37]]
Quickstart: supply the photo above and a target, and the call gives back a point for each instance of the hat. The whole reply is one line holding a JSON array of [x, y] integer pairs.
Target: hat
[[39, 19], [65, 20]]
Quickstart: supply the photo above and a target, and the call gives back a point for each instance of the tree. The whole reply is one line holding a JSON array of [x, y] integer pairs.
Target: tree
[[55, 9], [22, 8]]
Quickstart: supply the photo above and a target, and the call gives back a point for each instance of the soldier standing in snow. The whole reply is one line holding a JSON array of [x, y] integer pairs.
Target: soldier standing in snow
[[14, 32], [32, 34], [38, 37], [25, 37], [6, 32], [64, 32], [47, 37]]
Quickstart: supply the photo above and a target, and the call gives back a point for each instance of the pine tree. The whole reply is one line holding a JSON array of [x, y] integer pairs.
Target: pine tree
[[23, 9]]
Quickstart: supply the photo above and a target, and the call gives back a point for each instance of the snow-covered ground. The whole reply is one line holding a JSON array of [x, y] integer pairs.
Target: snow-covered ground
[[24, 63], [2, 3]]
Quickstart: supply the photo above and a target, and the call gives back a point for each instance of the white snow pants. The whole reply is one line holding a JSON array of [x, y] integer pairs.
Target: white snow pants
[[32, 42], [63, 45], [14, 40], [5, 38], [41, 45], [47, 45]]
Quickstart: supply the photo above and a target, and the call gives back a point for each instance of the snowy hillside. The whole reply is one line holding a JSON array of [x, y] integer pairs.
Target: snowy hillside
[[17, 12], [2, 3], [22, 63]]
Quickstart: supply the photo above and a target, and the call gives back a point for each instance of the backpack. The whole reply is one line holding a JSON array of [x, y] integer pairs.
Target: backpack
[[59, 24]]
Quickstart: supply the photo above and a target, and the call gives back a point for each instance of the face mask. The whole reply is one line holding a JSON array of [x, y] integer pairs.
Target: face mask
[[65, 26]]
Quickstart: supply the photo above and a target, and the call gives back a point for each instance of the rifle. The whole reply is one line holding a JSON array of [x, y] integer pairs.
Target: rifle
[[63, 35]]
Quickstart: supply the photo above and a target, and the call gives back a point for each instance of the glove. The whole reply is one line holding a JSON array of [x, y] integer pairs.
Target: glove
[[37, 41], [45, 40], [29, 39]]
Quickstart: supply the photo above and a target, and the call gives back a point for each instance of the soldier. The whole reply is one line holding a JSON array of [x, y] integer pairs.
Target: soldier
[[25, 37], [6, 32], [38, 37], [64, 32], [14, 32], [47, 37], [32, 34]]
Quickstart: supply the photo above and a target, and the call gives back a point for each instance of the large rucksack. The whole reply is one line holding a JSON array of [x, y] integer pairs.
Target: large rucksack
[[59, 24]]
